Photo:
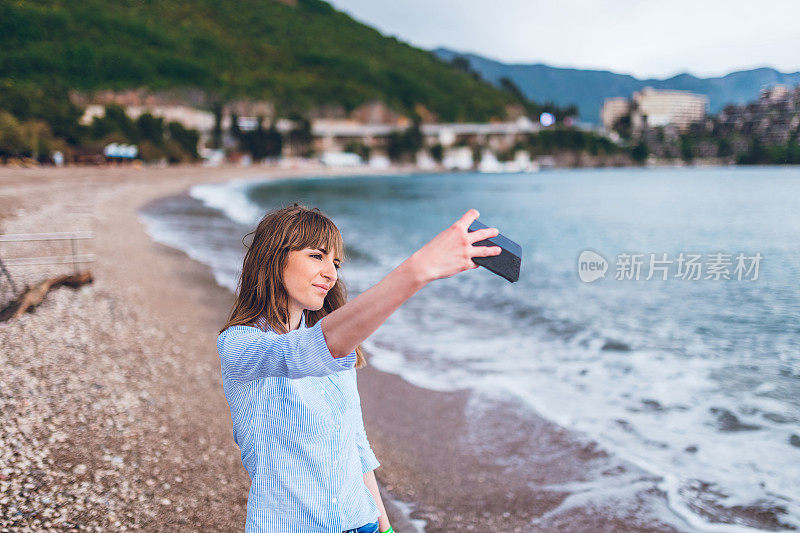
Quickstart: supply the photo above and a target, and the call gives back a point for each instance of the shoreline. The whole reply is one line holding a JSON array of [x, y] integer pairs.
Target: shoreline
[[464, 462], [422, 423], [161, 392]]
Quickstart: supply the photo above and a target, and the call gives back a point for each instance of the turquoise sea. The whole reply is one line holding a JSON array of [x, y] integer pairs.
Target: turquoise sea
[[695, 380]]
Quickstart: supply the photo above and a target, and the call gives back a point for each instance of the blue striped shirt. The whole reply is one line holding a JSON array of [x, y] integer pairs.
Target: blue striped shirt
[[297, 420]]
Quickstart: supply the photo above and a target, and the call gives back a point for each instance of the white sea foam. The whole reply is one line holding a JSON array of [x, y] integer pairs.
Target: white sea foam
[[614, 496], [652, 407], [406, 509], [647, 407], [230, 198], [220, 261]]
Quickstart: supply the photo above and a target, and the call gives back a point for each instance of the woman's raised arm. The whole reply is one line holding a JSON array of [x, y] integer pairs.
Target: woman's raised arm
[[445, 255], [248, 353]]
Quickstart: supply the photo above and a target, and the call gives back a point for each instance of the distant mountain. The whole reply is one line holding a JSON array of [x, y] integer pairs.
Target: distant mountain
[[296, 53], [588, 88]]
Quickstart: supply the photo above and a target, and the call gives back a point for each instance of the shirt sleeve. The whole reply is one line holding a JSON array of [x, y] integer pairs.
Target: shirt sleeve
[[248, 353], [368, 460]]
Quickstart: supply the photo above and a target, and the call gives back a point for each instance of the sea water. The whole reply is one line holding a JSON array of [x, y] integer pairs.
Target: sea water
[[695, 379]]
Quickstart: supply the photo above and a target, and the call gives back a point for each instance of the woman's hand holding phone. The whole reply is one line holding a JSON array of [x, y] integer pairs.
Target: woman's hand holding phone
[[449, 253], [452, 250]]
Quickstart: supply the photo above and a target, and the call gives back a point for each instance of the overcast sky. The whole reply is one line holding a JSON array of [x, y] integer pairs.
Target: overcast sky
[[646, 38]]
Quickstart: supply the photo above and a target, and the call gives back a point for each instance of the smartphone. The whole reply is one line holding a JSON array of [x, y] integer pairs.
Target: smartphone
[[505, 265]]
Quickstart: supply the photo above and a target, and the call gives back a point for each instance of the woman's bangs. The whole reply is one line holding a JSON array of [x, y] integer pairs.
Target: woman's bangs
[[331, 240], [321, 233]]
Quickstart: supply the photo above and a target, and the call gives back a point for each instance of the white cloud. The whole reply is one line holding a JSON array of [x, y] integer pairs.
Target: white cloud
[[645, 38]]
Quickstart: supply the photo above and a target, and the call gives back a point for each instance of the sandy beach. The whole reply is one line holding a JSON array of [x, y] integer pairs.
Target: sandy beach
[[114, 416]]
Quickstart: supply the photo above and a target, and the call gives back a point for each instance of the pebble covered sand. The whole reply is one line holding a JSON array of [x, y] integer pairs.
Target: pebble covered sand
[[94, 436], [112, 414], [113, 418]]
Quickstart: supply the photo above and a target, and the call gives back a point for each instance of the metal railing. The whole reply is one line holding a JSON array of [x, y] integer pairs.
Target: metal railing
[[75, 258]]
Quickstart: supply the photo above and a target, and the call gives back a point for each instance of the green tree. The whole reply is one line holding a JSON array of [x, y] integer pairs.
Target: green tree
[[755, 155], [273, 142], [623, 126], [404, 145], [724, 148], [149, 128], [236, 131], [114, 120], [13, 140], [300, 137], [437, 152], [216, 132], [186, 139], [687, 148], [508, 85], [793, 152], [359, 148], [149, 152], [262, 143], [48, 102], [639, 152], [32, 138], [462, 63]]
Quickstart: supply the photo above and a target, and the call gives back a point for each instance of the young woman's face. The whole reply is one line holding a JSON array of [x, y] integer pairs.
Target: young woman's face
[[309, 275]]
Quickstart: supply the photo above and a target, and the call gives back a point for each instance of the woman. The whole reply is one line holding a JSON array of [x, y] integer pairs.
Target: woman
[[288, 354]]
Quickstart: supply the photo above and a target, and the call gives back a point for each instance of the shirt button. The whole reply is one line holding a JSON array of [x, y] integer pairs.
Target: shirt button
[[337, 426], [333, 500]]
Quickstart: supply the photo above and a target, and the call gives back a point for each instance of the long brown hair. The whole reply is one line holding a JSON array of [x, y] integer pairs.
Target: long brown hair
[[261, 291]]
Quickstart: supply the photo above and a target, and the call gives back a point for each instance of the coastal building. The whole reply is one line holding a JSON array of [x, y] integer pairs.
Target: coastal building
[[761, 131], [185, 107], [376, 112], [336, 134], [188, 117], [775, 93], [772, 119], [189, 108], [652, 108], [613, 110], [367, 130]]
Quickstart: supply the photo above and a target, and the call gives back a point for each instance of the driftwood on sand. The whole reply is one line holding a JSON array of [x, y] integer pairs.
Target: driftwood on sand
[[33, 296]]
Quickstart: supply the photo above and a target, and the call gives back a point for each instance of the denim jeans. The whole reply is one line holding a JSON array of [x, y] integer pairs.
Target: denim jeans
[[367, 528]]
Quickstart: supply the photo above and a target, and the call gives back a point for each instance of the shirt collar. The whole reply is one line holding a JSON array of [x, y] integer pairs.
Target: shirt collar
[[262, 321]]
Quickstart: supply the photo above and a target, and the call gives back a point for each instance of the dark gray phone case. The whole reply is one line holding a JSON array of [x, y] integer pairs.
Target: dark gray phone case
[[508, 263]]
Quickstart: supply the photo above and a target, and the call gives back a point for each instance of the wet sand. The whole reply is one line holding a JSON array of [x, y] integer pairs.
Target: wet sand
[[114, 416]]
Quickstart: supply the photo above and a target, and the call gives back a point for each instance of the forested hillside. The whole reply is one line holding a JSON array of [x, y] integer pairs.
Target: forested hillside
[[298, 54]]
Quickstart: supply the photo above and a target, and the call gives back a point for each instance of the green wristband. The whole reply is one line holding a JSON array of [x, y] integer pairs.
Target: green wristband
[[390, 530]]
